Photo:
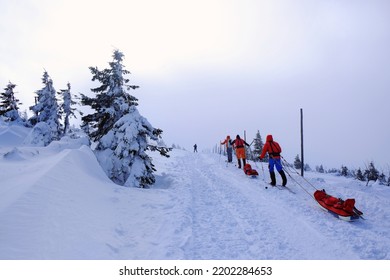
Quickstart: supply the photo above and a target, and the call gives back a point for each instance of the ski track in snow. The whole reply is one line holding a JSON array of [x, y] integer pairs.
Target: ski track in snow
[[199, 208], [233, 217]]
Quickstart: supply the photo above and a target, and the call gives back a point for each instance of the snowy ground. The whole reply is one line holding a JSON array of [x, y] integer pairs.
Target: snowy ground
[[57, 203]]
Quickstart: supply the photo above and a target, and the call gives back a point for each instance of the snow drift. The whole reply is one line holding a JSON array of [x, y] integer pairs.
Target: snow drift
[[56, 202]]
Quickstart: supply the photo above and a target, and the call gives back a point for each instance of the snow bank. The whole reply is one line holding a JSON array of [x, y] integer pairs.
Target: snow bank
[[56, 202]]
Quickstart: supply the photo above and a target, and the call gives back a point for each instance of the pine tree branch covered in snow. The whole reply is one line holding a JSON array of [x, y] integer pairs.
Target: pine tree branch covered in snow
[[121, 134], [9, 106]]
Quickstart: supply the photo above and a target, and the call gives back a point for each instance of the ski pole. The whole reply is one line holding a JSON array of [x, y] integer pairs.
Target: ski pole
[[262, 168]]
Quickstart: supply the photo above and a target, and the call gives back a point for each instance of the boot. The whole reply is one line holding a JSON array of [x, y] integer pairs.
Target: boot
[[284, 178], [243, 161], [273, 178], [239, 163]]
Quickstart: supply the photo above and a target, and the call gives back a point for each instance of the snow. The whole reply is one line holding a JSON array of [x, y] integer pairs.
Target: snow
[[56, 202]]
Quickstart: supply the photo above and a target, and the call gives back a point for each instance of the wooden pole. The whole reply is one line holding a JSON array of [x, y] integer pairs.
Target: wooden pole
[[302, 158]]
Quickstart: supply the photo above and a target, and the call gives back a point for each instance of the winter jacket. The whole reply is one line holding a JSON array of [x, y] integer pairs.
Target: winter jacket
[[240, 149], [272, 148], [239, 143]]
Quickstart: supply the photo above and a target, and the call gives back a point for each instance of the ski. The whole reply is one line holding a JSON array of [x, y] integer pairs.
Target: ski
[[285, 188]]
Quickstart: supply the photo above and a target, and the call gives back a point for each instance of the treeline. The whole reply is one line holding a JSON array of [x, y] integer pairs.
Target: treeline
[[52, 108], [368, 174], [120, 134]]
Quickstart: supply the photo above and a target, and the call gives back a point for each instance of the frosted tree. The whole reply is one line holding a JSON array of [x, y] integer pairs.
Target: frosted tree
[[121, 134], [258, 145], [371, 173], [66, 108], [359, 175], [320, 169], [46, 111], [297, 162], [9, 105], [344, 171]]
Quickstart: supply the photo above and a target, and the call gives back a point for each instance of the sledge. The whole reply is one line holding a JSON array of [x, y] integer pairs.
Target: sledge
[[343, 209], [249, 171]]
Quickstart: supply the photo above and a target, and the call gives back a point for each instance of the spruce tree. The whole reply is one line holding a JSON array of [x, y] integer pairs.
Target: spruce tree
[[307, 167], [359, 175], [66, 107], [121, 134], [320, 169], [258, 147], [371, 173], [46, 109], [297, 162], [9, 105], [382, 178], [344, 171]]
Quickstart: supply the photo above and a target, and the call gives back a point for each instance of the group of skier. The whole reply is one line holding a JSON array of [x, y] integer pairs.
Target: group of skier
[[271, 147]]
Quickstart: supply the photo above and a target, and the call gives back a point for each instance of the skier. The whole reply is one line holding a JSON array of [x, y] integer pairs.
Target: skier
[[274, 150], [195, 148], [240, 150], [229, 147]]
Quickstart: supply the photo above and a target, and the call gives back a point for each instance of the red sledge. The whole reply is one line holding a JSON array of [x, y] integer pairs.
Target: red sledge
[[249, 171], [344, 210]]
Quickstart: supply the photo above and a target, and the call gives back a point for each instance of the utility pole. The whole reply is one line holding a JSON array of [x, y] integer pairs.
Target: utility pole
[[302, 160]]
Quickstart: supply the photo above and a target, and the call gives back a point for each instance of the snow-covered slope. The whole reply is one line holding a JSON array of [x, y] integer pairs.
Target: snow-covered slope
[[57, 203]]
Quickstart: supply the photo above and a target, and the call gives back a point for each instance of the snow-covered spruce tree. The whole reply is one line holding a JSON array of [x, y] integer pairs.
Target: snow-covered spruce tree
[[9, 105], [371, 173], [297, 162], [382, 178], [121, 134], [344, 171], [320, 169], [46, 112], [359, 175], [258, 145], [66, 108]]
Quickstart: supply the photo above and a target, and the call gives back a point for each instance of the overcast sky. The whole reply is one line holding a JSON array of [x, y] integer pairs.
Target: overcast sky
[[211, 68]]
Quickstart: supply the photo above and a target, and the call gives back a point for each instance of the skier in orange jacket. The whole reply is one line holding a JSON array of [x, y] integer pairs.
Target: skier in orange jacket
[[240, 150], [273, 149], [229, 148]]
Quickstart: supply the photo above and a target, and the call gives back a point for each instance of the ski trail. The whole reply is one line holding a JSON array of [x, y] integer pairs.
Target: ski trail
[[235, 217]]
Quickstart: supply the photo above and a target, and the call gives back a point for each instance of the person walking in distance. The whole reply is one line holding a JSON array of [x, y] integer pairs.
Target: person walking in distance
[[273, 149], [229, 148], [195, 148], [240, 150]]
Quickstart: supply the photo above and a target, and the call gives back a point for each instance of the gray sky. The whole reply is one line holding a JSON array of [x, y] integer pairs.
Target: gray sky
[[211, 68]]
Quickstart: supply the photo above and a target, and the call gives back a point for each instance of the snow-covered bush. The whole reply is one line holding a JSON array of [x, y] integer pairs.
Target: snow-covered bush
[[40, 135]]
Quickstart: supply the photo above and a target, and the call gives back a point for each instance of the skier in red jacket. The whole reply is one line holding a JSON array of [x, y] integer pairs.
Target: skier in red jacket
[[273, 149]]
